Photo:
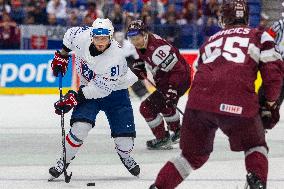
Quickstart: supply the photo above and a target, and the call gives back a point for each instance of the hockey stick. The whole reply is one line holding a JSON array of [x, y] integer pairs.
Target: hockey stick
[[175, 106], [66, 176]]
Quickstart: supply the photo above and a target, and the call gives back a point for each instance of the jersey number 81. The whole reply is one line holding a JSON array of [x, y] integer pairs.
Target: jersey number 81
[[114, 70]]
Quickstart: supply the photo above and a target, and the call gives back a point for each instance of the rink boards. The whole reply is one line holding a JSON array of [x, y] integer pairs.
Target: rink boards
[[29, 72]]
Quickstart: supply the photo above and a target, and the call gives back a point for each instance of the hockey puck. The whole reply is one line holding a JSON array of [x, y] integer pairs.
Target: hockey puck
[[91, 184]]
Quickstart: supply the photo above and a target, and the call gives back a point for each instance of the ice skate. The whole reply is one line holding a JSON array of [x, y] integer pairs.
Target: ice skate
[[253, 182], [57, 170], [160, 144], [153, 187], [175, 137], [131, 165]]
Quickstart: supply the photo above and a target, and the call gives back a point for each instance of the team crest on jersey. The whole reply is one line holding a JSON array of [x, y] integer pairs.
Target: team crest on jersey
[[231, 109], [86, 72]]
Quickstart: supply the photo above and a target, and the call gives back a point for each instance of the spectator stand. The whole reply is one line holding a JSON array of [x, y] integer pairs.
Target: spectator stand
[[185, 23]]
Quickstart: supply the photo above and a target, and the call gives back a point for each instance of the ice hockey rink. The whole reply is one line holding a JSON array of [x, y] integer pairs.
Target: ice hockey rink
[[30, 139]]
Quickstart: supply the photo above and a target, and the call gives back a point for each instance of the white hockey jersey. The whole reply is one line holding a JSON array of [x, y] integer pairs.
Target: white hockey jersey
[[281, 45], [277, 31], [100, 74], [129, 49]]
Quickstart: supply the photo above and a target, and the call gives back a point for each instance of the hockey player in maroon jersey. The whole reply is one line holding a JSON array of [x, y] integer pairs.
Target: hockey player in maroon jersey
[[171, 74], [223, 96], [276, 31]]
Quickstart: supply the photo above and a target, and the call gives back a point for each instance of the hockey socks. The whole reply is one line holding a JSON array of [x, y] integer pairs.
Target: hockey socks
[[173, 173], [173, 120], [74, 139], [256, 163], [168, 177], [124, 146]]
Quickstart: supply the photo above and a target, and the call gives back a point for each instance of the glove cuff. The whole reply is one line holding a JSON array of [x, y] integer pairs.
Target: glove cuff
[[73, 92], [273, 106], [62, 56], [172, 87]]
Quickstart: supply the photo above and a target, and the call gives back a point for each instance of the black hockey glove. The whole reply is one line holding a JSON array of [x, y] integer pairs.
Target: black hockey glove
[[270, 115], [138, 68]]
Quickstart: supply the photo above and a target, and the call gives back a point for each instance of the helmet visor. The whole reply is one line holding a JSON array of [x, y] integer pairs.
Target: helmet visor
[[132, 33], [100, 32]]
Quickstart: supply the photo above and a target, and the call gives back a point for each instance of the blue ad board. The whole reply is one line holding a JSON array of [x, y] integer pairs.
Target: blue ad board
[[30, 69]]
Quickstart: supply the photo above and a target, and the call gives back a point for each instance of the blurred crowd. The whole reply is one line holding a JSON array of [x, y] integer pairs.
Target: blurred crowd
[[171, 13], [83, 12]]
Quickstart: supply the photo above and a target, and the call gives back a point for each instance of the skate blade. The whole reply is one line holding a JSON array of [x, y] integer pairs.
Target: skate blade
[[51, 179], [161, 148], [175, 142]]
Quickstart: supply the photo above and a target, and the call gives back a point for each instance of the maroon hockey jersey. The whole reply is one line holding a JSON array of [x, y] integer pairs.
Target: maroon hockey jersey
[[165, 63], [227, 69]]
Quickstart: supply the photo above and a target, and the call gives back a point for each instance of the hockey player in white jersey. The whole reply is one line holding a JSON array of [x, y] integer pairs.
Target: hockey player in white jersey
[[104, 80]]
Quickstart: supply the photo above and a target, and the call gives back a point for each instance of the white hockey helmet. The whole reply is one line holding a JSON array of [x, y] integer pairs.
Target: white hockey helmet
[[102, 27]]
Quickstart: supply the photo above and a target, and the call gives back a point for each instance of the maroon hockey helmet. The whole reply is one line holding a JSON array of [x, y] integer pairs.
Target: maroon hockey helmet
[[136, 27], [234, 12]]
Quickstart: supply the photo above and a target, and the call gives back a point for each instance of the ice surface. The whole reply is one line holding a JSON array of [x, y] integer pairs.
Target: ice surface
[[30, 139]]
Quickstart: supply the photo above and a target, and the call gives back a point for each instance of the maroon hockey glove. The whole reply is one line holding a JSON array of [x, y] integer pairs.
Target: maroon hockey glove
[[171, 96], [270, 115], [139, 70], [59, 64], [68, 101]]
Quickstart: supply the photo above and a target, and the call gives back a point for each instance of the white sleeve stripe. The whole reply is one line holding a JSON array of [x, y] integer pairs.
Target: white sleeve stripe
[[254, 52], [269, 56], [266, 37], [182, 165]]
